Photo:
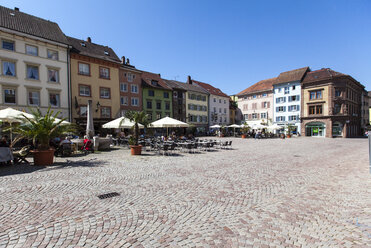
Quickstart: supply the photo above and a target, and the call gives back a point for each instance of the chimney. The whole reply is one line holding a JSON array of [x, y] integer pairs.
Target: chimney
[[189, 80], [88, 39], [127, 61], [123, 60], [16, 9]]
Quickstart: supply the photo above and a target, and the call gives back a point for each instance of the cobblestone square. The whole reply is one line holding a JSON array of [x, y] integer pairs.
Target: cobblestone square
[[299, 192]]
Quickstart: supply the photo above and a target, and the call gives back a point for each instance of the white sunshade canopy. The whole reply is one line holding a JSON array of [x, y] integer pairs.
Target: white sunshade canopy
[[126, 123], [234, 126], [258, 126], [275, 127], [168, 122], [56, 120], [11, 115], [215, 126]]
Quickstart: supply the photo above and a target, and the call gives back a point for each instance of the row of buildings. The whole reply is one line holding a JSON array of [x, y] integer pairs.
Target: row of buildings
[[42, 67], [322, 103]]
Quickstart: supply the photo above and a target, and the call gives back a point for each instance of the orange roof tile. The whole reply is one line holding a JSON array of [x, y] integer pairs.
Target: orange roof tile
[[263, 85]]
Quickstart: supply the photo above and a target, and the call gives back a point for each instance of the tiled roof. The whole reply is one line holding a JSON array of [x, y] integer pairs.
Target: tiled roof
[[263, 85], [32, 25], [185, 86], [291, 76], [211, 89], [148, 77], [93, 50], [322, 74]]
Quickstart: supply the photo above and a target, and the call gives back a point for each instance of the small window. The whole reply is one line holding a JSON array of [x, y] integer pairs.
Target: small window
[[166, 94], [134, 88], [149, 104], [83, 44], [220, 100], [167, 105], [104, 72], [53, 55], [84, 90], [54, 99], [34, 98], [83, 111], [123, 87], [53, 75], [158, 105], [158, 116], [129, 76], [32, 50], [214, 99], [105, 93], [154, 83], [337, 93], [105, 112], [254, 96], [293, 87], [264, 95], [123, 100], [32, 72], [151, 93], [84, 69], [8, 45], [106, 53], [9, 96], [134, 101], [9, 68], [149, 116]]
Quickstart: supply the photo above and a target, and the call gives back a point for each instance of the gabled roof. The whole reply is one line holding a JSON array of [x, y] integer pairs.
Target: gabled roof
[[93, 50], [262, 85], [210, 89], [32, 25], [322, 74], [148, 77], [185, 86], [291, 76]]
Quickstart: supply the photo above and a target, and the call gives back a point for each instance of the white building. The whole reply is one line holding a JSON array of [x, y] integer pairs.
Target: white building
[[287, 98], [218, 105], [34, 62]]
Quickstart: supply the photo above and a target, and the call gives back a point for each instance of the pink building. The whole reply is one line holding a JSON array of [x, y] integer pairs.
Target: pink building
[[256, 102]]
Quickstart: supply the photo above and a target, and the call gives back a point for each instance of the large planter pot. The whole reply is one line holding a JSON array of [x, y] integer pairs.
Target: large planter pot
[[136, 150], [243, 136], [288, 135], [43, 157]]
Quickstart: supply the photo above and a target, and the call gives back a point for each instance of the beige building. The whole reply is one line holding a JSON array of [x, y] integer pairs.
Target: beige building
[[34, 63], [94, 76]]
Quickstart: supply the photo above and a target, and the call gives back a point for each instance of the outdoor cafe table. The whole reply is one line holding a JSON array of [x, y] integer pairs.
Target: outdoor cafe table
[[5, 154]]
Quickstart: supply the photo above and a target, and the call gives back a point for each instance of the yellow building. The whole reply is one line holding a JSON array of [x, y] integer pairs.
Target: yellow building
[[94, 76]]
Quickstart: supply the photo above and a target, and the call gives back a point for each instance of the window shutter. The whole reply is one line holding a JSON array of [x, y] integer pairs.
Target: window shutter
[[284, 109], [298, 97], [268, 104], [250, 116], [262, 105], [284, 99], [257, 116], [297, 107], [277, 100]]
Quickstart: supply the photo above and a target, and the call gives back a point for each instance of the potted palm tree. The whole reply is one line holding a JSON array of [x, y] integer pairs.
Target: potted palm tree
[[41, 130], [137, 118], [290, 129], [245, 129]]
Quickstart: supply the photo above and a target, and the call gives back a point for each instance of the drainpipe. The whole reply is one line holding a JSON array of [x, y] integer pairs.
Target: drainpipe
[[69, 85]]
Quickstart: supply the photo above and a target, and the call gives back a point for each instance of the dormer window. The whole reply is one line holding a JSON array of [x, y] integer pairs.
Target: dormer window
[[154, 83], [106, 53], [83, 44]]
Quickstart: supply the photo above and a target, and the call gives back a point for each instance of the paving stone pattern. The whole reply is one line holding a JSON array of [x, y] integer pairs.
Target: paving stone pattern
[[299, 192]]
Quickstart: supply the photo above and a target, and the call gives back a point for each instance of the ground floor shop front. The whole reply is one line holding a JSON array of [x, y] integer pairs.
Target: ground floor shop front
[[331, 127]]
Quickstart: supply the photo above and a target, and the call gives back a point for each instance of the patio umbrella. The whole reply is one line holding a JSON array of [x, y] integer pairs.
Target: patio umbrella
[[275, 127], [11, 115], [215, 126], [258, 126], [125, 123], [89, 122], [168, 122], [56, 120], [234, 126]]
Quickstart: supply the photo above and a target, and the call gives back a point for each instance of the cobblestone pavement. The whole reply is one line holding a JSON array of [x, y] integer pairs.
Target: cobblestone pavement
[[299, 192]]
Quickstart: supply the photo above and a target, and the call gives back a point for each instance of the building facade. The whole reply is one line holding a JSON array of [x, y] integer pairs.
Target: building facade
[[218, 104], [34, 63], [157, 96], [331, 104], [130, 88], [94, 76], [286, 98], [256, 102], [179, 99], [365, 122]]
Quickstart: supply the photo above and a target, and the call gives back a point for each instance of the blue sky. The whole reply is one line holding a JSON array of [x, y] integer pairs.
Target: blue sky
[[229, 44]]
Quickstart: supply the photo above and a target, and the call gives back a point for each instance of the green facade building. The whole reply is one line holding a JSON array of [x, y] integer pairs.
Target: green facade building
[[157, 97]]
